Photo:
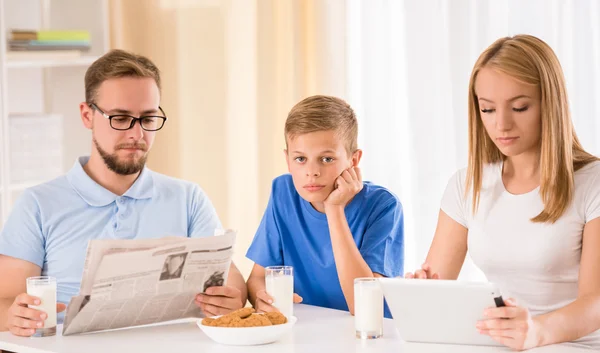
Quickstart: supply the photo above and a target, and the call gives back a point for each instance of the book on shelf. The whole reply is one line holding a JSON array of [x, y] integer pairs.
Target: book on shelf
[[22, 35], [49, 40], [43, 35], [48, 45]]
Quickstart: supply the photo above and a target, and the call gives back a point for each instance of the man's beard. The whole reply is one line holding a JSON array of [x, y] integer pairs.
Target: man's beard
[[122, 168]]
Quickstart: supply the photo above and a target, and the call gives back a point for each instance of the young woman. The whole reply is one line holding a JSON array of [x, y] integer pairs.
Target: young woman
[[528, 205]]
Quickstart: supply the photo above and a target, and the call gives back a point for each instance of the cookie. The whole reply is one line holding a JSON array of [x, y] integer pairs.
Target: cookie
[[246, 317], [207, 321], [276, 318], [255, 320], [243, 312], [224, 320]]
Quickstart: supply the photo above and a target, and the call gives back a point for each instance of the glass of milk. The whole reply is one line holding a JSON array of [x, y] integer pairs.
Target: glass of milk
[[368, 308], [44, 287], [279, 281]]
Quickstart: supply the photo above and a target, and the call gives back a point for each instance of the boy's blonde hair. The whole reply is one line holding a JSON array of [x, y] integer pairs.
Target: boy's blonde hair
[[530, 60], [323, 113], [114, 64]]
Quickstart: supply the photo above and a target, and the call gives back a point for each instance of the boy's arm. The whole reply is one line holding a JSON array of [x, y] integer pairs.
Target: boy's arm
[[257, 294], [348, 260], [255, 283], [266, 249]]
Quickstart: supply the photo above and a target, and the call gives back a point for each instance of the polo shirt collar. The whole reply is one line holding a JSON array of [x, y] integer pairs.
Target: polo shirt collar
[[96, 195]]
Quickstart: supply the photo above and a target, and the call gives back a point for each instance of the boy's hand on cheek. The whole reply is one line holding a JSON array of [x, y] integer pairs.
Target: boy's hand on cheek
[[347, 185]]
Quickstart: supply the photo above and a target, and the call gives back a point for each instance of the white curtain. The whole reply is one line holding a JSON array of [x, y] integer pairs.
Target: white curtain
[[407, 70], [403, 65]]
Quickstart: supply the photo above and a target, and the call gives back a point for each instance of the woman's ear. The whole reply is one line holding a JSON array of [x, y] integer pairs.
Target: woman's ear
[[356, 156]]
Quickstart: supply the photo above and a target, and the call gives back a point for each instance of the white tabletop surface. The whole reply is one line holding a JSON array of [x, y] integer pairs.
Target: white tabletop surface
[[317, 330]]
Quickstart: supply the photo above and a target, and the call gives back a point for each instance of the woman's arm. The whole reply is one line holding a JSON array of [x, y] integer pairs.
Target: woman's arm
[[514, 327], [447, 252], [581, 317]]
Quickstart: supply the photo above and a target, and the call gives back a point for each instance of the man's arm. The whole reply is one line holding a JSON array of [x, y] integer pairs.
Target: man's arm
[[236, 280], [12, 284], [221, 300], [21, 255]]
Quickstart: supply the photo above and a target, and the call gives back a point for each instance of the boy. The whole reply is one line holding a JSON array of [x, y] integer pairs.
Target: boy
[[322, 219]]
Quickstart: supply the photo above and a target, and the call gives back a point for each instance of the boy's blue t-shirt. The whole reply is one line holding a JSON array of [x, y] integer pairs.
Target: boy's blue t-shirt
[[293, 233]]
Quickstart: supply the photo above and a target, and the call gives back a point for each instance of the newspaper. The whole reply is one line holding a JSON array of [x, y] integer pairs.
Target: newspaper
[[137, 282]]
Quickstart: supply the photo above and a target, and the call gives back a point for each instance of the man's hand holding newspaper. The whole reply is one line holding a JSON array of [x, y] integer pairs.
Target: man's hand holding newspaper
[[137, 282], [219, 300]]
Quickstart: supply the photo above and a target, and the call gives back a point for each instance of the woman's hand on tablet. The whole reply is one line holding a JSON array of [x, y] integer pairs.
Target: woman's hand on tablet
[[511, 325], [425, 272]]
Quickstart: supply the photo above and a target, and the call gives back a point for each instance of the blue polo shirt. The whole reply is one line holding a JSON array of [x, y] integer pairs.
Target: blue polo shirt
[[52, 223], [293, 233]]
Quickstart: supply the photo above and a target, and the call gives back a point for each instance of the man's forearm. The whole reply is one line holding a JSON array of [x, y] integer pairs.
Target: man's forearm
[[4, 306], [348, 260], [236, 280], [255, 284]]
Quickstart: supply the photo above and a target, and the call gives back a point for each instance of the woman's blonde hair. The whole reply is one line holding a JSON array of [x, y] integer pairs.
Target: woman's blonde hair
[[532, 61]]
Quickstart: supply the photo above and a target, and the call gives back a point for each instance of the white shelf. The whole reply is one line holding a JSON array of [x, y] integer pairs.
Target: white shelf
[[51, 62], [47, 81]]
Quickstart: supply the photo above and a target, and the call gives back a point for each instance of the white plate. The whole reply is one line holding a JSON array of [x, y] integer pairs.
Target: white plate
[[247, 336]]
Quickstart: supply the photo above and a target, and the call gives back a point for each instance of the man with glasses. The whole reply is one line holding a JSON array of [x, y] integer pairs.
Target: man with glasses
[[108, 195]]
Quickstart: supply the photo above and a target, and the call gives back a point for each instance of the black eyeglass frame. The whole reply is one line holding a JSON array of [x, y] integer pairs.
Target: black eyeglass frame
[[133, 118]]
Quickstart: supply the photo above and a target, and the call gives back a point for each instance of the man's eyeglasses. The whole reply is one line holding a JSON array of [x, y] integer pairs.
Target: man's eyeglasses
[[125, 122]]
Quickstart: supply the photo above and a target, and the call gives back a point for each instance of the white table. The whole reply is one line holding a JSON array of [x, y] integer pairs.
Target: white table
[[317, 330]]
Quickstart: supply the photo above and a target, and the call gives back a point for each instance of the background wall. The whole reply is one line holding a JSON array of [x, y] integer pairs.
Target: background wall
[[232, 69]]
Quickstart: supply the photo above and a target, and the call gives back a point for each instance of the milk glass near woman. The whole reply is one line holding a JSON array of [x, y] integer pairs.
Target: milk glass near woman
[[368, 308]]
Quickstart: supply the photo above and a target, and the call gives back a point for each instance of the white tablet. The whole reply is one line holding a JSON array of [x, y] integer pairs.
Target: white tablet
[[440, 311]]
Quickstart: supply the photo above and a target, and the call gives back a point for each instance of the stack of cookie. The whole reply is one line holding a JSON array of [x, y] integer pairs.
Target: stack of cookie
[[246, 317]]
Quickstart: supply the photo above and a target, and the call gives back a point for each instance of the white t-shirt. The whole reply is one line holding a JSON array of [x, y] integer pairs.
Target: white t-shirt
[[535, 263]]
